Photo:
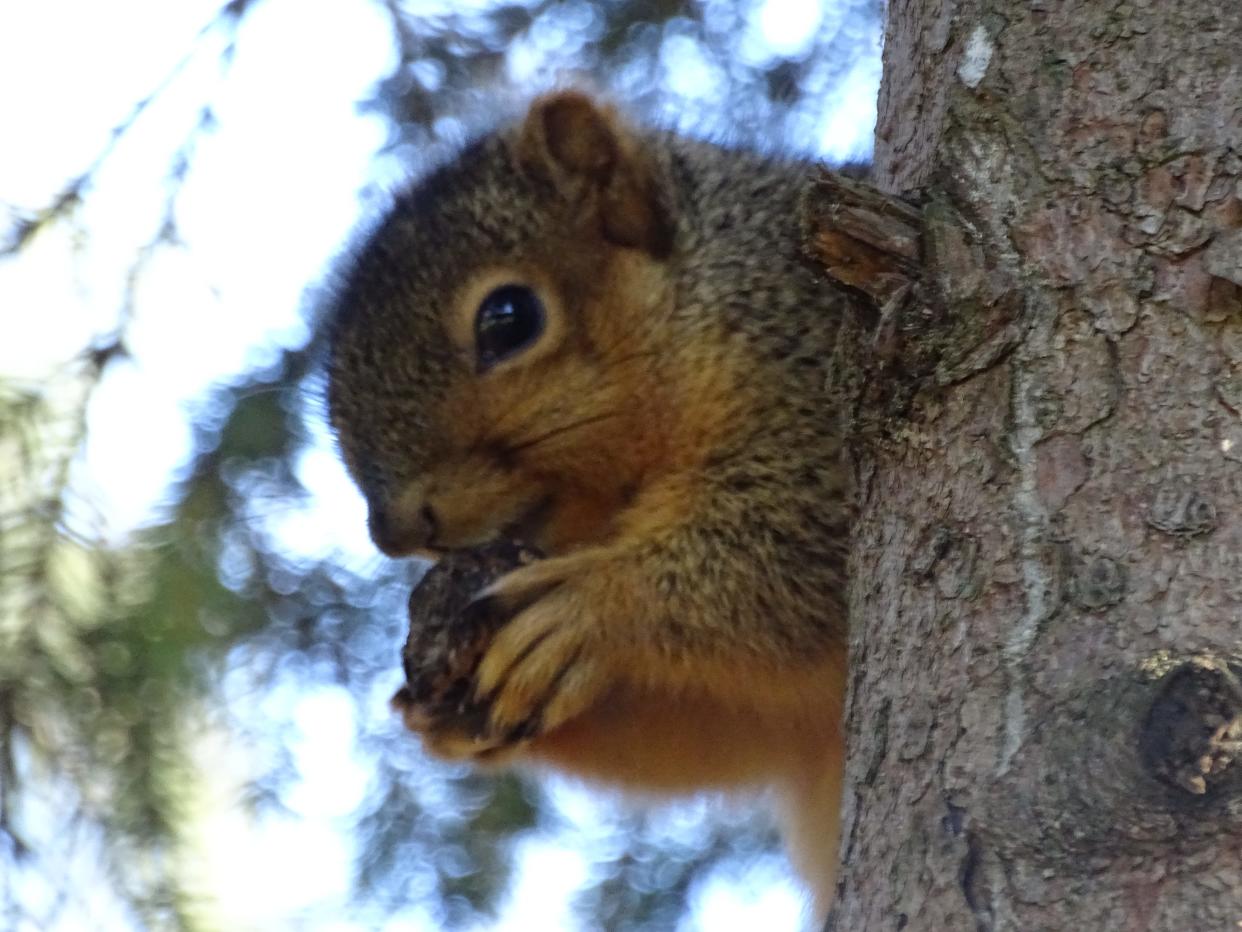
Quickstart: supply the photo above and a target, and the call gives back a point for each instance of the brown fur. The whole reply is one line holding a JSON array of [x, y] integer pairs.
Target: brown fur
[[675, 431]]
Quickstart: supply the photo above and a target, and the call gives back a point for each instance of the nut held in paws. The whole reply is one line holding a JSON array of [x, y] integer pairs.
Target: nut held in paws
[[446, 640]]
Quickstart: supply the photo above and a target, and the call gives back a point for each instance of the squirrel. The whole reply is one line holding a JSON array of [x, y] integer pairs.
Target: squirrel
[[607, 341]]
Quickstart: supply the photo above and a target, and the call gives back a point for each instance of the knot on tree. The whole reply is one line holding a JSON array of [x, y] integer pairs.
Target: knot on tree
[[1145, 759], [1192, 735]]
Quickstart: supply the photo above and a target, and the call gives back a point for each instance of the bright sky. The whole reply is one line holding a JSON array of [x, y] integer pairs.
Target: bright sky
[[270, 194]]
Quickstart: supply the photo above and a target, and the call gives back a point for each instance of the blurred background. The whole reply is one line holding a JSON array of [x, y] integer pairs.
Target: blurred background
[[197, 640]]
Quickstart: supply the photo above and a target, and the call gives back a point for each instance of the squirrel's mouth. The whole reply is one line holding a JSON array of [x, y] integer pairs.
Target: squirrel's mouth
[[528, 528]]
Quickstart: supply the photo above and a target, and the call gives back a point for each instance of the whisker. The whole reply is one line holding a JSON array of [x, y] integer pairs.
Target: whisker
[[559, 430], [495, 425], [643, 354]]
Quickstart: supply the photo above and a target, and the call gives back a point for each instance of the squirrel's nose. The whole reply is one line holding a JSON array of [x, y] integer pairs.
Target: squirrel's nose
[[400, 535]]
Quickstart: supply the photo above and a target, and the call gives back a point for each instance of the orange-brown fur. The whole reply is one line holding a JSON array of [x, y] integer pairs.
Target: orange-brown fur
[[673, 430]]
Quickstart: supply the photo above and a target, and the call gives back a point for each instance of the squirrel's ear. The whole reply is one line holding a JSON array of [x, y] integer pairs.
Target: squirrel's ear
[[594, 161]]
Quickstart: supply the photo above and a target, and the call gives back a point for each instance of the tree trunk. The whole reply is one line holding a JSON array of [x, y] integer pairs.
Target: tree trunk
[[1047, 587]]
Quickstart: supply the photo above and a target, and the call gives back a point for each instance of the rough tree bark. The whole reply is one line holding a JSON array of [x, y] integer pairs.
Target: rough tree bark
[[1047, 593]]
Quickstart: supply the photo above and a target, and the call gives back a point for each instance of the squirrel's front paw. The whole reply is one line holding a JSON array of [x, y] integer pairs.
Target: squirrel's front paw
[[543, 666], [451, 735]]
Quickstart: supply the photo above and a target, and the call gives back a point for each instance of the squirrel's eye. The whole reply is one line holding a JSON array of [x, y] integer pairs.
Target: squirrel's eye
[[508, 320]]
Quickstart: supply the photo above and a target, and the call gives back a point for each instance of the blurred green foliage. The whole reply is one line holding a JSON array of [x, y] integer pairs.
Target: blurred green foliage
[[113, 653]]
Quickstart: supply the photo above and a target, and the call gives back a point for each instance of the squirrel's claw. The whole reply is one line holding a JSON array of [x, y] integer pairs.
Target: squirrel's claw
[[537, 672]]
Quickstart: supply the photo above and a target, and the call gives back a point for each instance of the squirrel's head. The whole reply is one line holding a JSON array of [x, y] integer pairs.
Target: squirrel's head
[[489, 365]]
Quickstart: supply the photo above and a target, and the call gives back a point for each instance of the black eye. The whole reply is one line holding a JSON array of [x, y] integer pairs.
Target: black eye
[[509, 320]]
